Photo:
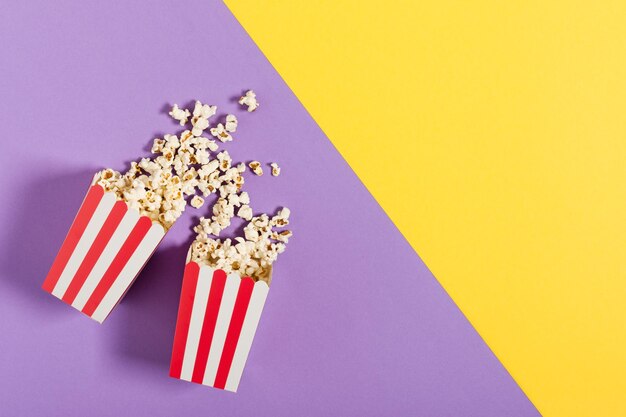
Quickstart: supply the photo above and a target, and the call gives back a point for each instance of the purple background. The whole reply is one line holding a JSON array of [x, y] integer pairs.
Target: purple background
[[355, 323]]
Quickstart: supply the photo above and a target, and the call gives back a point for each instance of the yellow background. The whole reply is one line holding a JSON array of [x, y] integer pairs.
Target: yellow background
[[493, 133]]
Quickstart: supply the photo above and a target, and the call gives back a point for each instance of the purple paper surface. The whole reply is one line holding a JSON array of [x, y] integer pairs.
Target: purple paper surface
[[354, 325]]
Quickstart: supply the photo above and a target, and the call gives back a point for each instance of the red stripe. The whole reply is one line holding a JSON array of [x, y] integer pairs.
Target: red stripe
[[190, 280], [110, 225], [232, 336], [92, 199], [208, 325], [128, 248]]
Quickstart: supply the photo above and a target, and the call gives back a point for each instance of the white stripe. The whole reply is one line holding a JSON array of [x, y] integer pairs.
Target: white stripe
[[221, 327], [89, 235], [195, 324], [130, 271], [251, 320], [106, 257]]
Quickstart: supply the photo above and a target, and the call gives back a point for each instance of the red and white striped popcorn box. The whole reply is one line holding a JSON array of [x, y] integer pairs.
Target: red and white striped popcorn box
[[105, 249], [217, 319]]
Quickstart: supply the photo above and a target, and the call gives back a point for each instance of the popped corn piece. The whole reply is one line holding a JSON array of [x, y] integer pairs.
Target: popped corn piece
[[197, 202], [255, 166], [233, 199], [202, 157], [239, 181], [209, 168], [221, 133], [108, 174], [249, 100], [168, 218], [204, 110], [245, 212], [281, 219], [199, 125], [201, 115], [157, 145], [284, 213], [213, 146], [148, 165], [182, 115], [171, 141], [202, 143], [224, 160], [231, 123], [227, 189], [186, 140], [282, 236], [108, 179], [275, 169], [166, 159]]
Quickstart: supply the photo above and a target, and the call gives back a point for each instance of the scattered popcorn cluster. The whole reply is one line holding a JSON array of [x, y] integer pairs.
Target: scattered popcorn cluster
[[189, 167], [183, 165], [251, 255]]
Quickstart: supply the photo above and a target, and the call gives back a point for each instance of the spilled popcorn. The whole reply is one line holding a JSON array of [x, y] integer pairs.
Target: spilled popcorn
[[197, 201], [251, 255], [183, 166], [187, 168], [223, 131]]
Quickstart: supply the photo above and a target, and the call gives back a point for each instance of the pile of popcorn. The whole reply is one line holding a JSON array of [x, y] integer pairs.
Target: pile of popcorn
[[251, 255], [188, 167]]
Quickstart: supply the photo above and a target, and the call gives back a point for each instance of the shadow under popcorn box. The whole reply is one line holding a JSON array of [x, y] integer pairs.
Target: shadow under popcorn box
[[217, 319], [106, 247]]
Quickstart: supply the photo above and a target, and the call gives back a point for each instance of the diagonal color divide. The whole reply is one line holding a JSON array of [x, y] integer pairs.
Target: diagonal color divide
[[355, 324], [492, 133]]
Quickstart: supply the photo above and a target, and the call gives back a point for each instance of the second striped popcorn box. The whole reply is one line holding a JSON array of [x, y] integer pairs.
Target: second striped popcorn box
[[105, 249], [217, 319]]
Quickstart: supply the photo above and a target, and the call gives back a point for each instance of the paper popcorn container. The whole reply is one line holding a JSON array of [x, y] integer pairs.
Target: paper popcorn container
[[105, 249], [217, 318]]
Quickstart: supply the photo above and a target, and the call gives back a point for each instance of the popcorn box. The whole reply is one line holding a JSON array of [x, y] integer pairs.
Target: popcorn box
[[105, 249], [217, 319]]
